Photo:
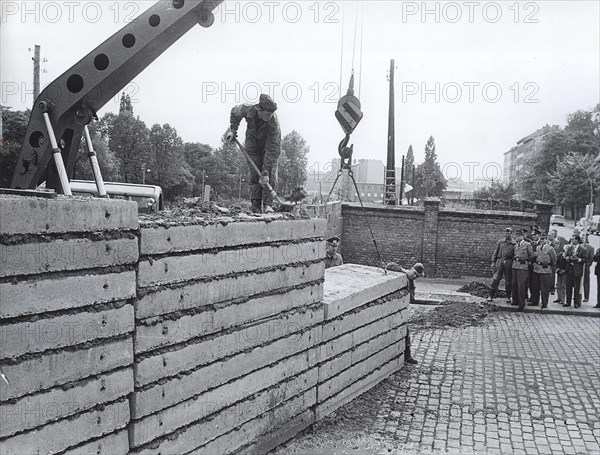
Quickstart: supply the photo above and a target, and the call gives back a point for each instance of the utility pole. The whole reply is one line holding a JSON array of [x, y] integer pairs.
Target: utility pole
[[401, 181], [390, 174], [36, 73]]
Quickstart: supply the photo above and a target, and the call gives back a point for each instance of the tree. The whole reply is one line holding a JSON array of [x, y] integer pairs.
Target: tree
[[128, 139], [576, 180], [14, 129], [497, 190], [195, 155], [580, 136], [167, 165], [107, 160], [293, 162], [125, 105], [429, 179], [229, 168]]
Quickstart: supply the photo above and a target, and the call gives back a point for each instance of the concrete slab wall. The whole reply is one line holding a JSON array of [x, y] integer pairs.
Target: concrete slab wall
[[227, 336], [67, 279]]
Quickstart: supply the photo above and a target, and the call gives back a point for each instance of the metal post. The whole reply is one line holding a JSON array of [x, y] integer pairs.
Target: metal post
[[94, 163], [60, 165], [390, 175]]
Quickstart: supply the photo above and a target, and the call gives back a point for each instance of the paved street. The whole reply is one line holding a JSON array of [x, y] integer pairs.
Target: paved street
[[523, 384]]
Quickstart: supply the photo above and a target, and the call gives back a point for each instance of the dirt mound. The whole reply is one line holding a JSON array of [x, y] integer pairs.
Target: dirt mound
[[480, 290], [451, 314]]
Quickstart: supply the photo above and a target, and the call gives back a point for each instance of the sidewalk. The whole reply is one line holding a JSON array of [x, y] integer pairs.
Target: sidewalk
[[436, 290]]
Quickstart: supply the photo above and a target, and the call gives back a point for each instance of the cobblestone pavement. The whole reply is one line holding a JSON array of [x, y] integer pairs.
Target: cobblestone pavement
[[523, 384]]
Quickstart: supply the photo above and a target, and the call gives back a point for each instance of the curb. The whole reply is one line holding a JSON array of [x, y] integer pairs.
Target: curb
[[538, 310]]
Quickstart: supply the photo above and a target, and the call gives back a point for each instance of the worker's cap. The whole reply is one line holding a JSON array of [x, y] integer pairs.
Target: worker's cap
[[266, 103], [536, 231], [419, 268], [333, 241], [507, 230], [520, 232]]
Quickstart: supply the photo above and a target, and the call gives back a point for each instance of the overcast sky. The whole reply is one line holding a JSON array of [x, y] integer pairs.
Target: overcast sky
[[478, 76]]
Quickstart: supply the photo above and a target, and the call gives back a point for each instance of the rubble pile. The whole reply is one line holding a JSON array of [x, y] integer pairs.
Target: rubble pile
[[480, 290], [451, 314]]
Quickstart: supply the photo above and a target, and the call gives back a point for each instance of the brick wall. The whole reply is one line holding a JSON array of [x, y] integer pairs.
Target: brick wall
[[449, 243]]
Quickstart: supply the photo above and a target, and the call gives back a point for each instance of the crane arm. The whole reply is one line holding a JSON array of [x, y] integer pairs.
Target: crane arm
[[73, 99]]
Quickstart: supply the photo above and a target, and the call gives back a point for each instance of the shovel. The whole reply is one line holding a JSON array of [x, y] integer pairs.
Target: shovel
[[285, 204]]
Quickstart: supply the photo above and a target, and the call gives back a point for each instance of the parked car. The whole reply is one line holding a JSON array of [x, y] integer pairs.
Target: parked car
[[557, 219]]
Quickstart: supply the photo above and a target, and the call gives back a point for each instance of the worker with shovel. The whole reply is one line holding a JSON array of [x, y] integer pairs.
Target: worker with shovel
[[262, 146]]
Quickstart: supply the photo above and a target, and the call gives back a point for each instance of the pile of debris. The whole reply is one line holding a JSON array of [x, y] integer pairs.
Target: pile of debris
[[451, 314], [195, 211], [480, 290]]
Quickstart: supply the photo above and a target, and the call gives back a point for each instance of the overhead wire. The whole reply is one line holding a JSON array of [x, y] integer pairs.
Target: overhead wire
[[359, 12], [362, 19]]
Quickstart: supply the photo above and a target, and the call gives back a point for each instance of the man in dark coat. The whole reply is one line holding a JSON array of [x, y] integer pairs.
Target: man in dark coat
[[576, 257], [502, 264], [589, 249], [263, 144]]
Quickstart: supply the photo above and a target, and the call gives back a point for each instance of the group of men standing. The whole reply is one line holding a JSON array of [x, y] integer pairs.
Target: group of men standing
[[535, 265]]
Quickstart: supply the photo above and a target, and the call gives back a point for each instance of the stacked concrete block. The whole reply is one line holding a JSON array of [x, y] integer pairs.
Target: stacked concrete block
[[363, 333], [359, 343], [67, 280], [228, 319]]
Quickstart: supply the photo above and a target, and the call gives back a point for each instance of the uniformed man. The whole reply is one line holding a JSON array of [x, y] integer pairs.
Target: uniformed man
[[263, 145], [502, 265], [533, 285], [543, 270], [332, 257], [522, 257]]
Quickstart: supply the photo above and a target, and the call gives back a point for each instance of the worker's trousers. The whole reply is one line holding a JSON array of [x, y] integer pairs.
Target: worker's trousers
[[504, 269], [259, 194]]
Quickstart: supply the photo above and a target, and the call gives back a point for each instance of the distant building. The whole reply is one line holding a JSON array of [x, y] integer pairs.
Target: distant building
[[516, 157], [459, 189]]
